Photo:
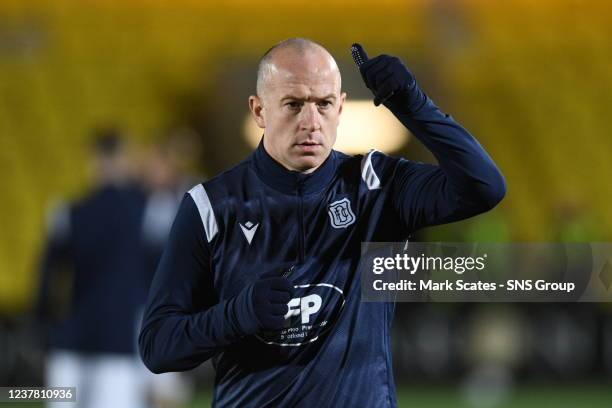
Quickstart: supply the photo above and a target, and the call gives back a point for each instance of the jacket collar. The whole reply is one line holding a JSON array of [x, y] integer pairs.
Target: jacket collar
[[289, 181]]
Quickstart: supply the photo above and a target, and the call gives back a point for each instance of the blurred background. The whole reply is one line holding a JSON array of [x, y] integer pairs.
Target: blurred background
[[147, 98]]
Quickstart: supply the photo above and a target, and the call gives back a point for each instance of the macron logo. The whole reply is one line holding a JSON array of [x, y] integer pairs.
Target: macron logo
[[249, 229]]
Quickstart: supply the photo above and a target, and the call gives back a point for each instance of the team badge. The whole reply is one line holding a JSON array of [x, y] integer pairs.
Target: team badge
[[340, 213]]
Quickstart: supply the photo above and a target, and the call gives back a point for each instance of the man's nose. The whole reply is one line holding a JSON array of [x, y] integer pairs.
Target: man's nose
[[310, 117]]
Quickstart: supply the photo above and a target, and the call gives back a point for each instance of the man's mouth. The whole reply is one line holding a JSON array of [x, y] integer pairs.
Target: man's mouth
[[308, 146]]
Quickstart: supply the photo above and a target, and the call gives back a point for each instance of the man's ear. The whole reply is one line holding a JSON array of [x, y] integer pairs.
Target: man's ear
[[341, 102], [256, 107]]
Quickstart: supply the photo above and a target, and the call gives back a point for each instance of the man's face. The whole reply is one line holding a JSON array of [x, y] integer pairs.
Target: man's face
[[299, 108]]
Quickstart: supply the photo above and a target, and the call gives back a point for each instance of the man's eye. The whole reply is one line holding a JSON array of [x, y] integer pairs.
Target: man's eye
[[324, 104], [294, 105]]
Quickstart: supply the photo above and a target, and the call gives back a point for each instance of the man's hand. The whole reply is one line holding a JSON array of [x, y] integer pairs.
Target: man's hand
[[384, 75], [270, 297], [262, 305]]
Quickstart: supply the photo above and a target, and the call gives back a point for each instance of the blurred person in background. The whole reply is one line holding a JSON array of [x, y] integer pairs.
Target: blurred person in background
[[259, 272], [164, 184], [168, 170], [97, 259]]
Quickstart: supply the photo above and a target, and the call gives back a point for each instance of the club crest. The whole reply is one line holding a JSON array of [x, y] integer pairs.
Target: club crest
[[340, 213]]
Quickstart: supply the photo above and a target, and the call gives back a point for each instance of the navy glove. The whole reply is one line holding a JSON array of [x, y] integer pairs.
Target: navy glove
[[262, 305], [270, 298], [386, 76]]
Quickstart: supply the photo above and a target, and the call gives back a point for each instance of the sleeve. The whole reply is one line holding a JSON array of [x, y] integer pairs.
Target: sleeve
[[465, 182], [184, 324], [56, 254]]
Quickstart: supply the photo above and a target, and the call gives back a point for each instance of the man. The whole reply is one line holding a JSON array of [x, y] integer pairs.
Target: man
[[259, 272], [99, 241]]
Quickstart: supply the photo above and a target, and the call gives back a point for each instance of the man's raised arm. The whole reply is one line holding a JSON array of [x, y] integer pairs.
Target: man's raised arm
[[466, 181]]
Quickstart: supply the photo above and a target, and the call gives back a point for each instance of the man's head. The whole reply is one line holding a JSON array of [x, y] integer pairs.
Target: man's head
[[298, 103], [111, 164]]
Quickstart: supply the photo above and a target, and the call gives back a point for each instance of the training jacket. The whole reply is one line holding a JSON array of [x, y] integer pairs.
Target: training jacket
[[259, 219], [98, 244]]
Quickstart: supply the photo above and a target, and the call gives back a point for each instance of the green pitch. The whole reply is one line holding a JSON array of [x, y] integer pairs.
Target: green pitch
[[524, 396]]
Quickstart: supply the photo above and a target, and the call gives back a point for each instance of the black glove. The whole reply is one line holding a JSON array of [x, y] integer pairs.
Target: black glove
[[386, 76], [270, 297], [262, 305]]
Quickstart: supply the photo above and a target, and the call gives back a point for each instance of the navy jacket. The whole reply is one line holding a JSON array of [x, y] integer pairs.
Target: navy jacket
[[258, 219], [99, 241]]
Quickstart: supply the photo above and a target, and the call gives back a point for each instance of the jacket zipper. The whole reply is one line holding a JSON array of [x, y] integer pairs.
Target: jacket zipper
[[301, 237]]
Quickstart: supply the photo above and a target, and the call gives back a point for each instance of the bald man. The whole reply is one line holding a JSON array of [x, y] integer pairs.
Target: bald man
[[259, 273], [298, 104]]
